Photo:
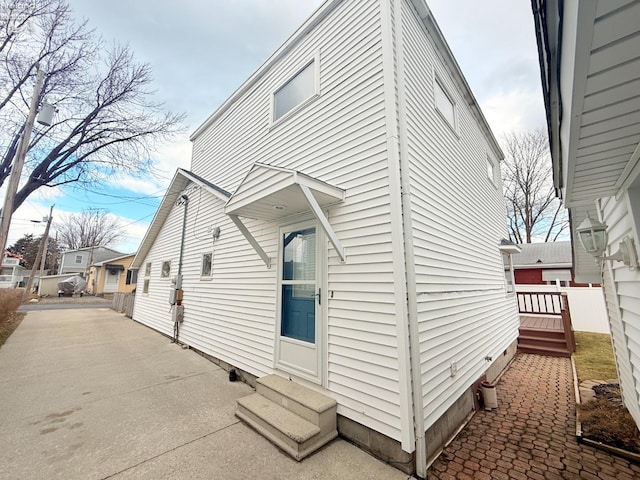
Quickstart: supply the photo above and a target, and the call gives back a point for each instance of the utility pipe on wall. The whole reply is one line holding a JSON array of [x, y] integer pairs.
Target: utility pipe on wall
[[183, 200]]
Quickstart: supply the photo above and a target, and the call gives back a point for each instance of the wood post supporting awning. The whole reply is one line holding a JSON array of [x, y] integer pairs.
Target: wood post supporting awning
[[271, 193]]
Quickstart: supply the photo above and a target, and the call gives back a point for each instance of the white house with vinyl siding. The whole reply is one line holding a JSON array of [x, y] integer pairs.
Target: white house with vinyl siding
[[340, 226], [590, 77]]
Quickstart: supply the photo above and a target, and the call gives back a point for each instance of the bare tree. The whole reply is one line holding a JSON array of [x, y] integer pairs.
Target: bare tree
[[533, 210], [91, 228], [107, 122]]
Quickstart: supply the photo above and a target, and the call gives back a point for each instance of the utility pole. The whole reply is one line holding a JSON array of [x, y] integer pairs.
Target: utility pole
[[16, 168], [27, 292]]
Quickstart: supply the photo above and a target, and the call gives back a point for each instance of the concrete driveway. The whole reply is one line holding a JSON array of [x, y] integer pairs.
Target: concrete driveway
[[90, 394]]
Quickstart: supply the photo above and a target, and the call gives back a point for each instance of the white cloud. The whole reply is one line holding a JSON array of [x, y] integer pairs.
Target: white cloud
[[514, 111]]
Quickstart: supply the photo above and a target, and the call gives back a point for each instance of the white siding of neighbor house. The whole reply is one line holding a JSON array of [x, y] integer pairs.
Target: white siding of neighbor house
[[458, 219], [622, 293], [339, 138]]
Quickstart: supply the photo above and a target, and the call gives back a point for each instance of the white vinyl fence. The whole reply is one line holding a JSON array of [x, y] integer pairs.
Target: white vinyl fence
[[588, 310]]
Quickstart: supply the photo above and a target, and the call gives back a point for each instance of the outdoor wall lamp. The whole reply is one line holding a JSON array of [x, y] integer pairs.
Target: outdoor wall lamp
[[593, 236]]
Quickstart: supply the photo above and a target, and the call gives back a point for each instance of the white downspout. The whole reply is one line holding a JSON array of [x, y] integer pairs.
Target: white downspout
[[403, 259], [412, 294]]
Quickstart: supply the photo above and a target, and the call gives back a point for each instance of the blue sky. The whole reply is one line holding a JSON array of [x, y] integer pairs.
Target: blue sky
[[201, 51]]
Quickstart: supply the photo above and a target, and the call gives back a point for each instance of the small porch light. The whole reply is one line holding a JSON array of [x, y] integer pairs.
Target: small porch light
[[593, 236]]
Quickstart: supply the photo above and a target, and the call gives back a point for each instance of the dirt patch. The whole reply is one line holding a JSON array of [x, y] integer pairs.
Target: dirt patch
[[606, 420]]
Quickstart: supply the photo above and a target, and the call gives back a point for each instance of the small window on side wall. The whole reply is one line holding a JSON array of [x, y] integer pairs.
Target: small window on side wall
[[444, 104], [301, 87], [509, 278], [147, 274], [207, 264], [165, 272], [132, 277], [491, 170]]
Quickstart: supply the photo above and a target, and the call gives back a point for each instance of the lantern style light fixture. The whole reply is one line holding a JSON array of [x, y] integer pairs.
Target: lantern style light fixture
[[593, 236]]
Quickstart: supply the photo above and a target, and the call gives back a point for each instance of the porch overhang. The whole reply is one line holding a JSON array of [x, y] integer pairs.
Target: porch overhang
[[271, 193]]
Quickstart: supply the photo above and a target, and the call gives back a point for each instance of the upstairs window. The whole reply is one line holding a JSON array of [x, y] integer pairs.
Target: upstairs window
[[444, 104], [491, 170], [78, 258], [301, 87]]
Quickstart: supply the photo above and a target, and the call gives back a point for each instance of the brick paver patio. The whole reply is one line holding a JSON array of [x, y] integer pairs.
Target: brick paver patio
[[531, 435]]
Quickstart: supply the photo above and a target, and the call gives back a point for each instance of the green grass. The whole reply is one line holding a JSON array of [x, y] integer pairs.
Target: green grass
[[594, 357]]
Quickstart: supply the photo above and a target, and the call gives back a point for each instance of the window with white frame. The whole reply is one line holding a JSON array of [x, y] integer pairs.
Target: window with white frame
[[207, 264], [165, 271], [132, 277], [444, 104], [147, 274], [491, 170], [78, 258], [509, 278], [298, 89]]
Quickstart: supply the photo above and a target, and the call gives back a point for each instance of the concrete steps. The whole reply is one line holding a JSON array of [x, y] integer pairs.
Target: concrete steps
[[295, 418]]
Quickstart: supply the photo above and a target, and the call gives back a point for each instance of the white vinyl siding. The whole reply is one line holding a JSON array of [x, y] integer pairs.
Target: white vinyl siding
[[339, 138], [622, 294], [463, 312]]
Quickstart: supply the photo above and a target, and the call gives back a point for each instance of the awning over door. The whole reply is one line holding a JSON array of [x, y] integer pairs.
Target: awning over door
[[270, 193]]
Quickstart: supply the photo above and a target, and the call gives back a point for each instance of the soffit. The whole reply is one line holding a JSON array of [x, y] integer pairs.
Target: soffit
[[604, 147]]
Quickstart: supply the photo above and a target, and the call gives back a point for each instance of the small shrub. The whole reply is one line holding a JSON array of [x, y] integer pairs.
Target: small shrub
[[10, 318], [10, 300]]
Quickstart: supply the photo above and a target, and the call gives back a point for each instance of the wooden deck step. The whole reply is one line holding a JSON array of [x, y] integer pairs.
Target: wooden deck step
[[295, 418], [552, 352]]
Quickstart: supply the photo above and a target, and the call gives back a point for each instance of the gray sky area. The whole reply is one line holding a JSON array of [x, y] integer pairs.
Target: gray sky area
[[201, 51]]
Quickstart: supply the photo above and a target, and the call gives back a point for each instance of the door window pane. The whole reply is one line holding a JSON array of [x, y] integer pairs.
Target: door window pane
[[299, 255]]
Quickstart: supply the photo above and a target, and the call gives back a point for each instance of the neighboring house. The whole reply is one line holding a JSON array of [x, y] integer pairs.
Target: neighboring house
[[78, 261], [112, 275], [351, 257], [590, 61], [545, 264], [12, 274]]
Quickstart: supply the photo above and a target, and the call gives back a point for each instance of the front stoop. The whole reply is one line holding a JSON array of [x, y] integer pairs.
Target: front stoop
[[295, 418]]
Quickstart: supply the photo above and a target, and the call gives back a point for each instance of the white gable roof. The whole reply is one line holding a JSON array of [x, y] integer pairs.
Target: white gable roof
[[180, 180]]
